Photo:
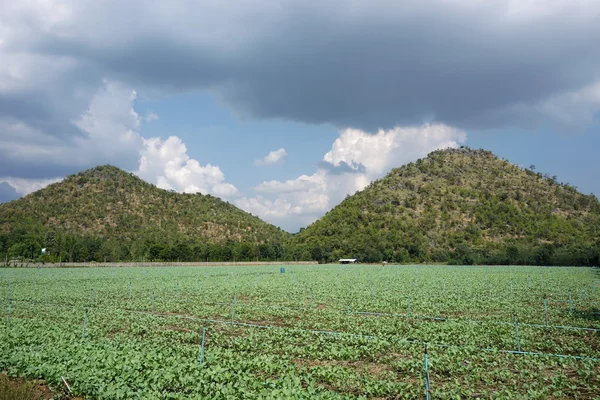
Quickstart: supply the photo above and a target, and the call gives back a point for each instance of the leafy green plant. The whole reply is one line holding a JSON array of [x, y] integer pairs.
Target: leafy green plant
[[320, 331]]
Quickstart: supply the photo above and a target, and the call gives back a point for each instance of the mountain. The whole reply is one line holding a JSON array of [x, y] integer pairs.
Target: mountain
[[456, 205], [463, 206], [107, 213]]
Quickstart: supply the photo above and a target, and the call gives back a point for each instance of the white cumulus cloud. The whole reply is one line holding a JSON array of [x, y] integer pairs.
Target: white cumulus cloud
[[25, 186], [302, 183], [112, 135], [273, 157], [167, 164], [473, 64], [356, 159], [151, 116], [386, 149]]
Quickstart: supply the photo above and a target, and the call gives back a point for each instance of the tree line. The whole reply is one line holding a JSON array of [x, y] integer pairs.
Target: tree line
[[60, 247]]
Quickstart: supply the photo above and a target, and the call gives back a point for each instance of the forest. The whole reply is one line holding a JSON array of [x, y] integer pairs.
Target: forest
[[457, 206]]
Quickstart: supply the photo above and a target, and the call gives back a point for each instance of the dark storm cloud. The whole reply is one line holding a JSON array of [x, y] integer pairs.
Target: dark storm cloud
[[473, 65], [33, 168], [378, 78], [37, 112]]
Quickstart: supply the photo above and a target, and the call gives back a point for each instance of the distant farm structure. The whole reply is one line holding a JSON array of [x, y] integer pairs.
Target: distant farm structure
[[348, 261]]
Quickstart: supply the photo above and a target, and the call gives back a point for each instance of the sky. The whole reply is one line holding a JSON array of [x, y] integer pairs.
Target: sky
[[285, 108]]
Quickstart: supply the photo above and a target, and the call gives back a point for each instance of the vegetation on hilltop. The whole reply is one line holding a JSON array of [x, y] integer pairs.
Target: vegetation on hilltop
[[457, 205], [462, 206], [108, 214]]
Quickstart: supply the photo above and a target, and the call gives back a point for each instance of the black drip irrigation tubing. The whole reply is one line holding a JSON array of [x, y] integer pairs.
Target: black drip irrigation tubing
[[368, 313], [357, 335]]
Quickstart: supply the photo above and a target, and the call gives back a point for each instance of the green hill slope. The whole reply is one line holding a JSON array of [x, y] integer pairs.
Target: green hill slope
[[465, 206], [107, 213]]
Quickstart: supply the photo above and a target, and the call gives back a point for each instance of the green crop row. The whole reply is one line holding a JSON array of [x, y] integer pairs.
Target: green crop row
[[323, 331]]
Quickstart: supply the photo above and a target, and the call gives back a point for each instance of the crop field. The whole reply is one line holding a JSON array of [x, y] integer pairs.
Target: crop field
[[319, 331]]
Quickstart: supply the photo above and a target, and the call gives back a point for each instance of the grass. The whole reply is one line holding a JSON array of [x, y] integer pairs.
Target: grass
[[16, 390]]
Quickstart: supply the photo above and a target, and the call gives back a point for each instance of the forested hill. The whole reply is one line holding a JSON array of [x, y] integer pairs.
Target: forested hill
[[460, 206], [107, 213], [464, 206]]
